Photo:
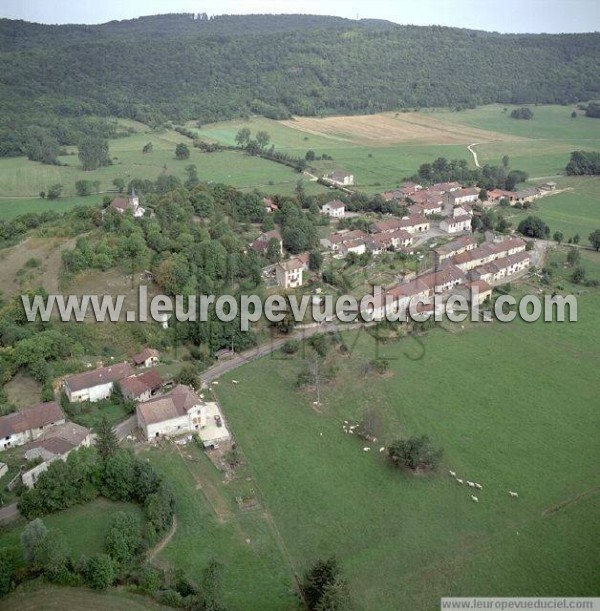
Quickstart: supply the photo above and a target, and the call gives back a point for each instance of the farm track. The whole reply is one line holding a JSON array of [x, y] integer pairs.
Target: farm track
[[568, 502], [164, 542]]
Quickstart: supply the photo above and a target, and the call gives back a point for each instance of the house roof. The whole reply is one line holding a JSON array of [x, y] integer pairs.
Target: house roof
[[458, 244], [174, 404], [103, 375], [339, 175], [456, 220], [144, 355], [121, 203], [346, 236], [388, 225], [137, 385], [336, 204], [58, 440], [30, 418], [262, 241], [291, 265]]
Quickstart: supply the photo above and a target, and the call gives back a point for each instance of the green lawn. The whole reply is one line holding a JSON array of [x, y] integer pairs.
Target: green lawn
[[41, 596], [256, 576], [406, 541], [84, 526], [576, 211]]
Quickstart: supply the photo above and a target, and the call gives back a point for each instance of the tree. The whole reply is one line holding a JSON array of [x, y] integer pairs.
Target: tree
[[192, 177], [106, 440], [262, 138], [52, 556], [243, 136], [182, 151], [505, 161], [212, 586], [148, 148], [574, 115], [188, 376], [119, 184], [323, 587], [33, 534], [573, 256], [315, 260], [273, 250], [123, 539], [414, 453], [483, 195], [584, 163], [594, 239], [578, 276], [54, 191], [7, 565], [558, 237], [93, 153], [83, 187], [576, 238], [100, 571], [534, 227], [310, 156], [118, 478], [522, 113]]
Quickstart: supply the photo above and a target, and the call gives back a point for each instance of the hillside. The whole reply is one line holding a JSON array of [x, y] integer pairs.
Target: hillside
[[176, 68]]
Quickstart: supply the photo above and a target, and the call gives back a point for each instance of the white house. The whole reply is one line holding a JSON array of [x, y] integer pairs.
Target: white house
[[57, 442], [344, 179], [122, 204], [97, 384], [181, 411], [148, 357], [289, 273], [456, 224], [335, 209], [465, 196], [29, 424]]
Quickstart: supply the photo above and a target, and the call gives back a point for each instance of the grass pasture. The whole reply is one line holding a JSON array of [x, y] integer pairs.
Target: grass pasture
[[406, 541], [37, 596], [574, 211]]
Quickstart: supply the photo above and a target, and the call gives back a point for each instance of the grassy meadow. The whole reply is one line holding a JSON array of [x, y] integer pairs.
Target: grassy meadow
[[405, 541]]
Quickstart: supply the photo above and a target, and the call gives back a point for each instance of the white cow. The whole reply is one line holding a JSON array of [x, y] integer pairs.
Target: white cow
[[382, 449], [470, 484], [478, 486], [474, 499], [452, 473], [234, 381], [366, 449], [460, 481], [515, 495]]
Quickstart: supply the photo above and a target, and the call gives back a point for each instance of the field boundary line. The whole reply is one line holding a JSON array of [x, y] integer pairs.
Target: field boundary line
[[572, 501]]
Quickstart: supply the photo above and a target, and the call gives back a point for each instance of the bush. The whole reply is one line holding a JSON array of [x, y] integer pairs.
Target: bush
[[380, 365], [414, 453], [100, 572], [291, 347]]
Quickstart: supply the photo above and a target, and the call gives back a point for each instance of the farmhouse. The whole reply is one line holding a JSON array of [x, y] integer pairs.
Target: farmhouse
[[528, 195], [343, 179], [132, 203], [456, 247], [289, 273], [148, 357], [335, 209], [270, 205], [385, 226], [381, 242], [57, 442], [495, 195], [502, 267], [412, 224], [142, 386], [548, 186], [410, 188], [446, 187], [335, 240], [261, 244], [181, 411], [464, 196], [97, 384], [456, 224], [29, 424], [477, 291], [358, 247]]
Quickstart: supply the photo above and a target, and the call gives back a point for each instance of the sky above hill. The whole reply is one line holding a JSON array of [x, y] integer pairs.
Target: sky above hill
[[506, 16]]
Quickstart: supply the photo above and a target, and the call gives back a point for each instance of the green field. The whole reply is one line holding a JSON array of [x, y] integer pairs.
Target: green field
[[39, 596], [21, 180], [405, 541], [574, 211], [84, 526], [551, 135]]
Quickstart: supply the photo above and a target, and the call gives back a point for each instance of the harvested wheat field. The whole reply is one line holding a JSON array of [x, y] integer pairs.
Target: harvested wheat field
[[401, 128]]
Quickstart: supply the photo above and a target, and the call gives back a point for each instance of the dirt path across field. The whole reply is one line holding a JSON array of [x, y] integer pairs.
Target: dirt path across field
[[568, 502], [472, 151], [162, 544]]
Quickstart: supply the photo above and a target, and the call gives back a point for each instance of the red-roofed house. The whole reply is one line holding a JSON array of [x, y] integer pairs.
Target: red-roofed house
[[29, 424], [148, 357], [97, 384]]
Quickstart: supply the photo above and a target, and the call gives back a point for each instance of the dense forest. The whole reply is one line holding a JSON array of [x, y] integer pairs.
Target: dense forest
[[177, 67]]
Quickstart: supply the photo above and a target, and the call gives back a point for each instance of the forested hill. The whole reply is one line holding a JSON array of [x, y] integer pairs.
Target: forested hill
[[175, 67]]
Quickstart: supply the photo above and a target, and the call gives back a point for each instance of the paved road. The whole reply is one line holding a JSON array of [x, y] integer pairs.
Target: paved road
[[125, 428], [216, 371], [9, 513]]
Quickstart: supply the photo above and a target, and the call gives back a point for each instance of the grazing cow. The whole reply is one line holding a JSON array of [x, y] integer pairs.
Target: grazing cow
[[382, 449], [215, 383], [366, 449], [234, 381], [460, 481], [470, 484], [515, 495], [478, 486], [452, 473], [474, 499]]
